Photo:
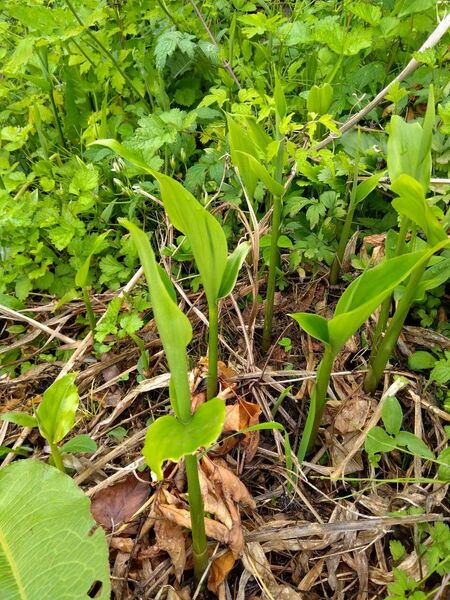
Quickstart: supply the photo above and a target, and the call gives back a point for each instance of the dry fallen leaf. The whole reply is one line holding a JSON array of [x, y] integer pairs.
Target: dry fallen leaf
[[232, 486], [170, 538], [117, 503], [220, 569], [353, 415]]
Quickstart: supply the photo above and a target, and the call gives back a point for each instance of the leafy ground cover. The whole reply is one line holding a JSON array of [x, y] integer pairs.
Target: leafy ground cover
[[270, 165]]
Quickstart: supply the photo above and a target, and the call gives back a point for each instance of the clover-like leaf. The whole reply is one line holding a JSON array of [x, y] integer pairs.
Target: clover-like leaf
[[56, 412], [170, 439]]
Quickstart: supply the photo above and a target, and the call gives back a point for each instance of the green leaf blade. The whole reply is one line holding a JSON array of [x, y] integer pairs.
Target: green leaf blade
[[169, 439], [392, 415], [315, 325], [56, 412], [232, 268]]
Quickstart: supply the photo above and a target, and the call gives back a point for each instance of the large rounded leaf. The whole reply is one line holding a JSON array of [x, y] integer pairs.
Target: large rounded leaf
[[47, 548], [170, 439]]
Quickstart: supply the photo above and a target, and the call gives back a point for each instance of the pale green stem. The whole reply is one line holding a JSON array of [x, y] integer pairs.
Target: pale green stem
[[199, 543], [89, 311], [318, 402], [213, 342], [386, 304], [57, 458], [141, 345], [378, 360]]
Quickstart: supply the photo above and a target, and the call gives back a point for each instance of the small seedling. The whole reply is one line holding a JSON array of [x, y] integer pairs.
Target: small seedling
[[55, 418]]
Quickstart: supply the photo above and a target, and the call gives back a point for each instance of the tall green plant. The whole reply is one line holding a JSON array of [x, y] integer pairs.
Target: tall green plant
[[218, 270], [248, 143], [356, 304], [413, 207], [175, 437]]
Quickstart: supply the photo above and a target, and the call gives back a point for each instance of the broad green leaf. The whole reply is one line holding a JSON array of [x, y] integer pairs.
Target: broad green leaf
[[206, 236], [319, 99], [377, 441], [414, 444], [263, 174], [434, 276], [444, 465], [83, 272], [240, 147], [125, 153], [170, 439], [173, 326], [56, 412], [403, 147], [79, 443], [50, 546], [257, 135], [413, 205], [421, 360], [392, 415], [232, 268], [367, 186], [20, 418], [365, 293], [315, 325], [427, 131]]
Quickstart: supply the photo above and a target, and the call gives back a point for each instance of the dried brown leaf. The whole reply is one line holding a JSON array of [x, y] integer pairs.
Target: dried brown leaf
[[117, 503], [170, 538], [220, 569], [232, 487]]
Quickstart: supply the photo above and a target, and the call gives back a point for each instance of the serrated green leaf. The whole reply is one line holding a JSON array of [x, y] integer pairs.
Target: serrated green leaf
[[56, 412], [441, 372], [414, 444], [50, 545], [444, 465], [232, 268], [392, 415], [397, 549], [19, 418], [79, 443], [170, 439]]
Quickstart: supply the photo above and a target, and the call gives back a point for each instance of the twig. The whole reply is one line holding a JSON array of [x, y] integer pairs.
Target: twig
[[9, 312], [225, 63]]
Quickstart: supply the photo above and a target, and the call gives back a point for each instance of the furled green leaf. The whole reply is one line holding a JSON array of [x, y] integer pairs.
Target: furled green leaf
[[20, 418], [319, 99], [173, 326], [240, 148], [315, 325], [367, 186], [206, 236], [392, 415], [403, 149], [170, 439], [412, 203], [83, 272], [232, 268], [49, 545], [56, 412], [79, 443], [421, 360], [414, 444]]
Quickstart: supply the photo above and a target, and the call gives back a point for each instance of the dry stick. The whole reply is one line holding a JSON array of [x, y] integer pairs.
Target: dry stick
[[225, 63], [431, 41], [13, 314]]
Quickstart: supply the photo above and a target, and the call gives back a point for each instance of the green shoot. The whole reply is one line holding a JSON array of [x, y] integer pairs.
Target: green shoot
[[174, 437]]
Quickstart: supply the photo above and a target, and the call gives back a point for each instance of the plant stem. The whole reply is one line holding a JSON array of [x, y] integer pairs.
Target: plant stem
[[317, 406], [274, 254], [57, 458], [337, 262], [106, 52], [380, 355], [213, 342], [89, 311], [199, 543]]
